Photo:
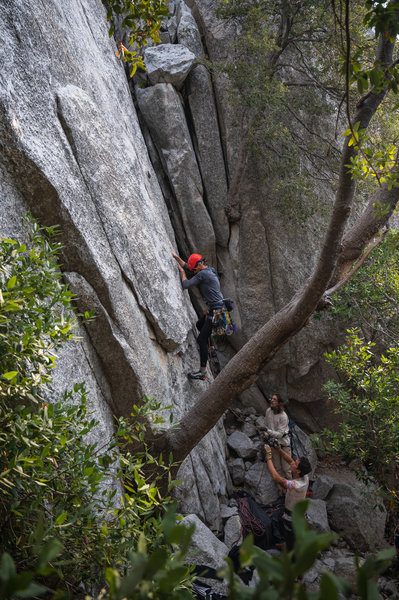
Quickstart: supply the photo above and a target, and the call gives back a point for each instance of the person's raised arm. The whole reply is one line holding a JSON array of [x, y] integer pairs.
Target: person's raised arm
[[275, 476], [285, 456]]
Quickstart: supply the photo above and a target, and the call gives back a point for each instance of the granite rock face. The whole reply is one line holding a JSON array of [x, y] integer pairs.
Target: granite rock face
[[237, 470], [207, 550], [259, 484], [233, 532], [322, 487], [351, 510], [241, 444], [72, 152], [317, 516]]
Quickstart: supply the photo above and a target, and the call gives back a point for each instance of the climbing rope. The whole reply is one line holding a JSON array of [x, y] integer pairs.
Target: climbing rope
[[249, 522], [212, 359]]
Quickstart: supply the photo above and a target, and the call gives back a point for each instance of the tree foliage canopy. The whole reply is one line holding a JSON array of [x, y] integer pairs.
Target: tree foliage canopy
[[297, 70]]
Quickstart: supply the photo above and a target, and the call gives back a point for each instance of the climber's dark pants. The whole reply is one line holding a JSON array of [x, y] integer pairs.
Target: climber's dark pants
[[289, 535], [204, 324]]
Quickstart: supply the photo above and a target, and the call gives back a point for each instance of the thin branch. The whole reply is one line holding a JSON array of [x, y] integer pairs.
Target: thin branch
[[357, 265], [304, 125]]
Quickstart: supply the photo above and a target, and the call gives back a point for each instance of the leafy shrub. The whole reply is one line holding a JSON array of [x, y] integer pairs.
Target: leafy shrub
[[54, 484], [35, 312], [281, 577], [368, 402]]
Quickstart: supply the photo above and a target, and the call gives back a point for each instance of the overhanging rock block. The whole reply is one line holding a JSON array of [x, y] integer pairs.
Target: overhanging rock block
[[168, 63]]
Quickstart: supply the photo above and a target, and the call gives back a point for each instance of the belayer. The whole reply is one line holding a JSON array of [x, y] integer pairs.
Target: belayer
[[296, 489], [216, 318]]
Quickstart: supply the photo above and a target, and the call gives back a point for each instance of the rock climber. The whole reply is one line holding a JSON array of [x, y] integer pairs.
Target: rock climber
[[208, 281], [296, 488], [277, 428]]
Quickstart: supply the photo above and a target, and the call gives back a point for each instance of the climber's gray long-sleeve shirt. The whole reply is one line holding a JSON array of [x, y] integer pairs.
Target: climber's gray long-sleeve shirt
[[208, 283]]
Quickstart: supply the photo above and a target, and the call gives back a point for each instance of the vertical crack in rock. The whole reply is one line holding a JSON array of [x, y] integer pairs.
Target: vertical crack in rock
[[196, 13], [167, 190], [204, 127], [162, 110], [271, 275]]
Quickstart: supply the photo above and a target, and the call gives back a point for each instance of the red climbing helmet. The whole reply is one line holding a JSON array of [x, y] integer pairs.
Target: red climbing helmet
[[193, 260]]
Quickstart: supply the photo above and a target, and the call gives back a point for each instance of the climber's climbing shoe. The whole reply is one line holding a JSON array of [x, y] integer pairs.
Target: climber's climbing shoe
[[198, 375]]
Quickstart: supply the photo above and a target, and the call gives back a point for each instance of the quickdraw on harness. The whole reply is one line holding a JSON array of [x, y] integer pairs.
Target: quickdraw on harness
[[222, 323]]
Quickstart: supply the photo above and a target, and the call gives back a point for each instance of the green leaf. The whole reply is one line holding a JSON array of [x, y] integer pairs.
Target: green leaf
[[142, 544], [11, 282], [61, 518], [7, 567], [49, 552], [32, 590], [10, 375]]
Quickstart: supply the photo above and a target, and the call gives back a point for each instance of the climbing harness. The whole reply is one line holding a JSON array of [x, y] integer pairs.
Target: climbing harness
[[222, 323]]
